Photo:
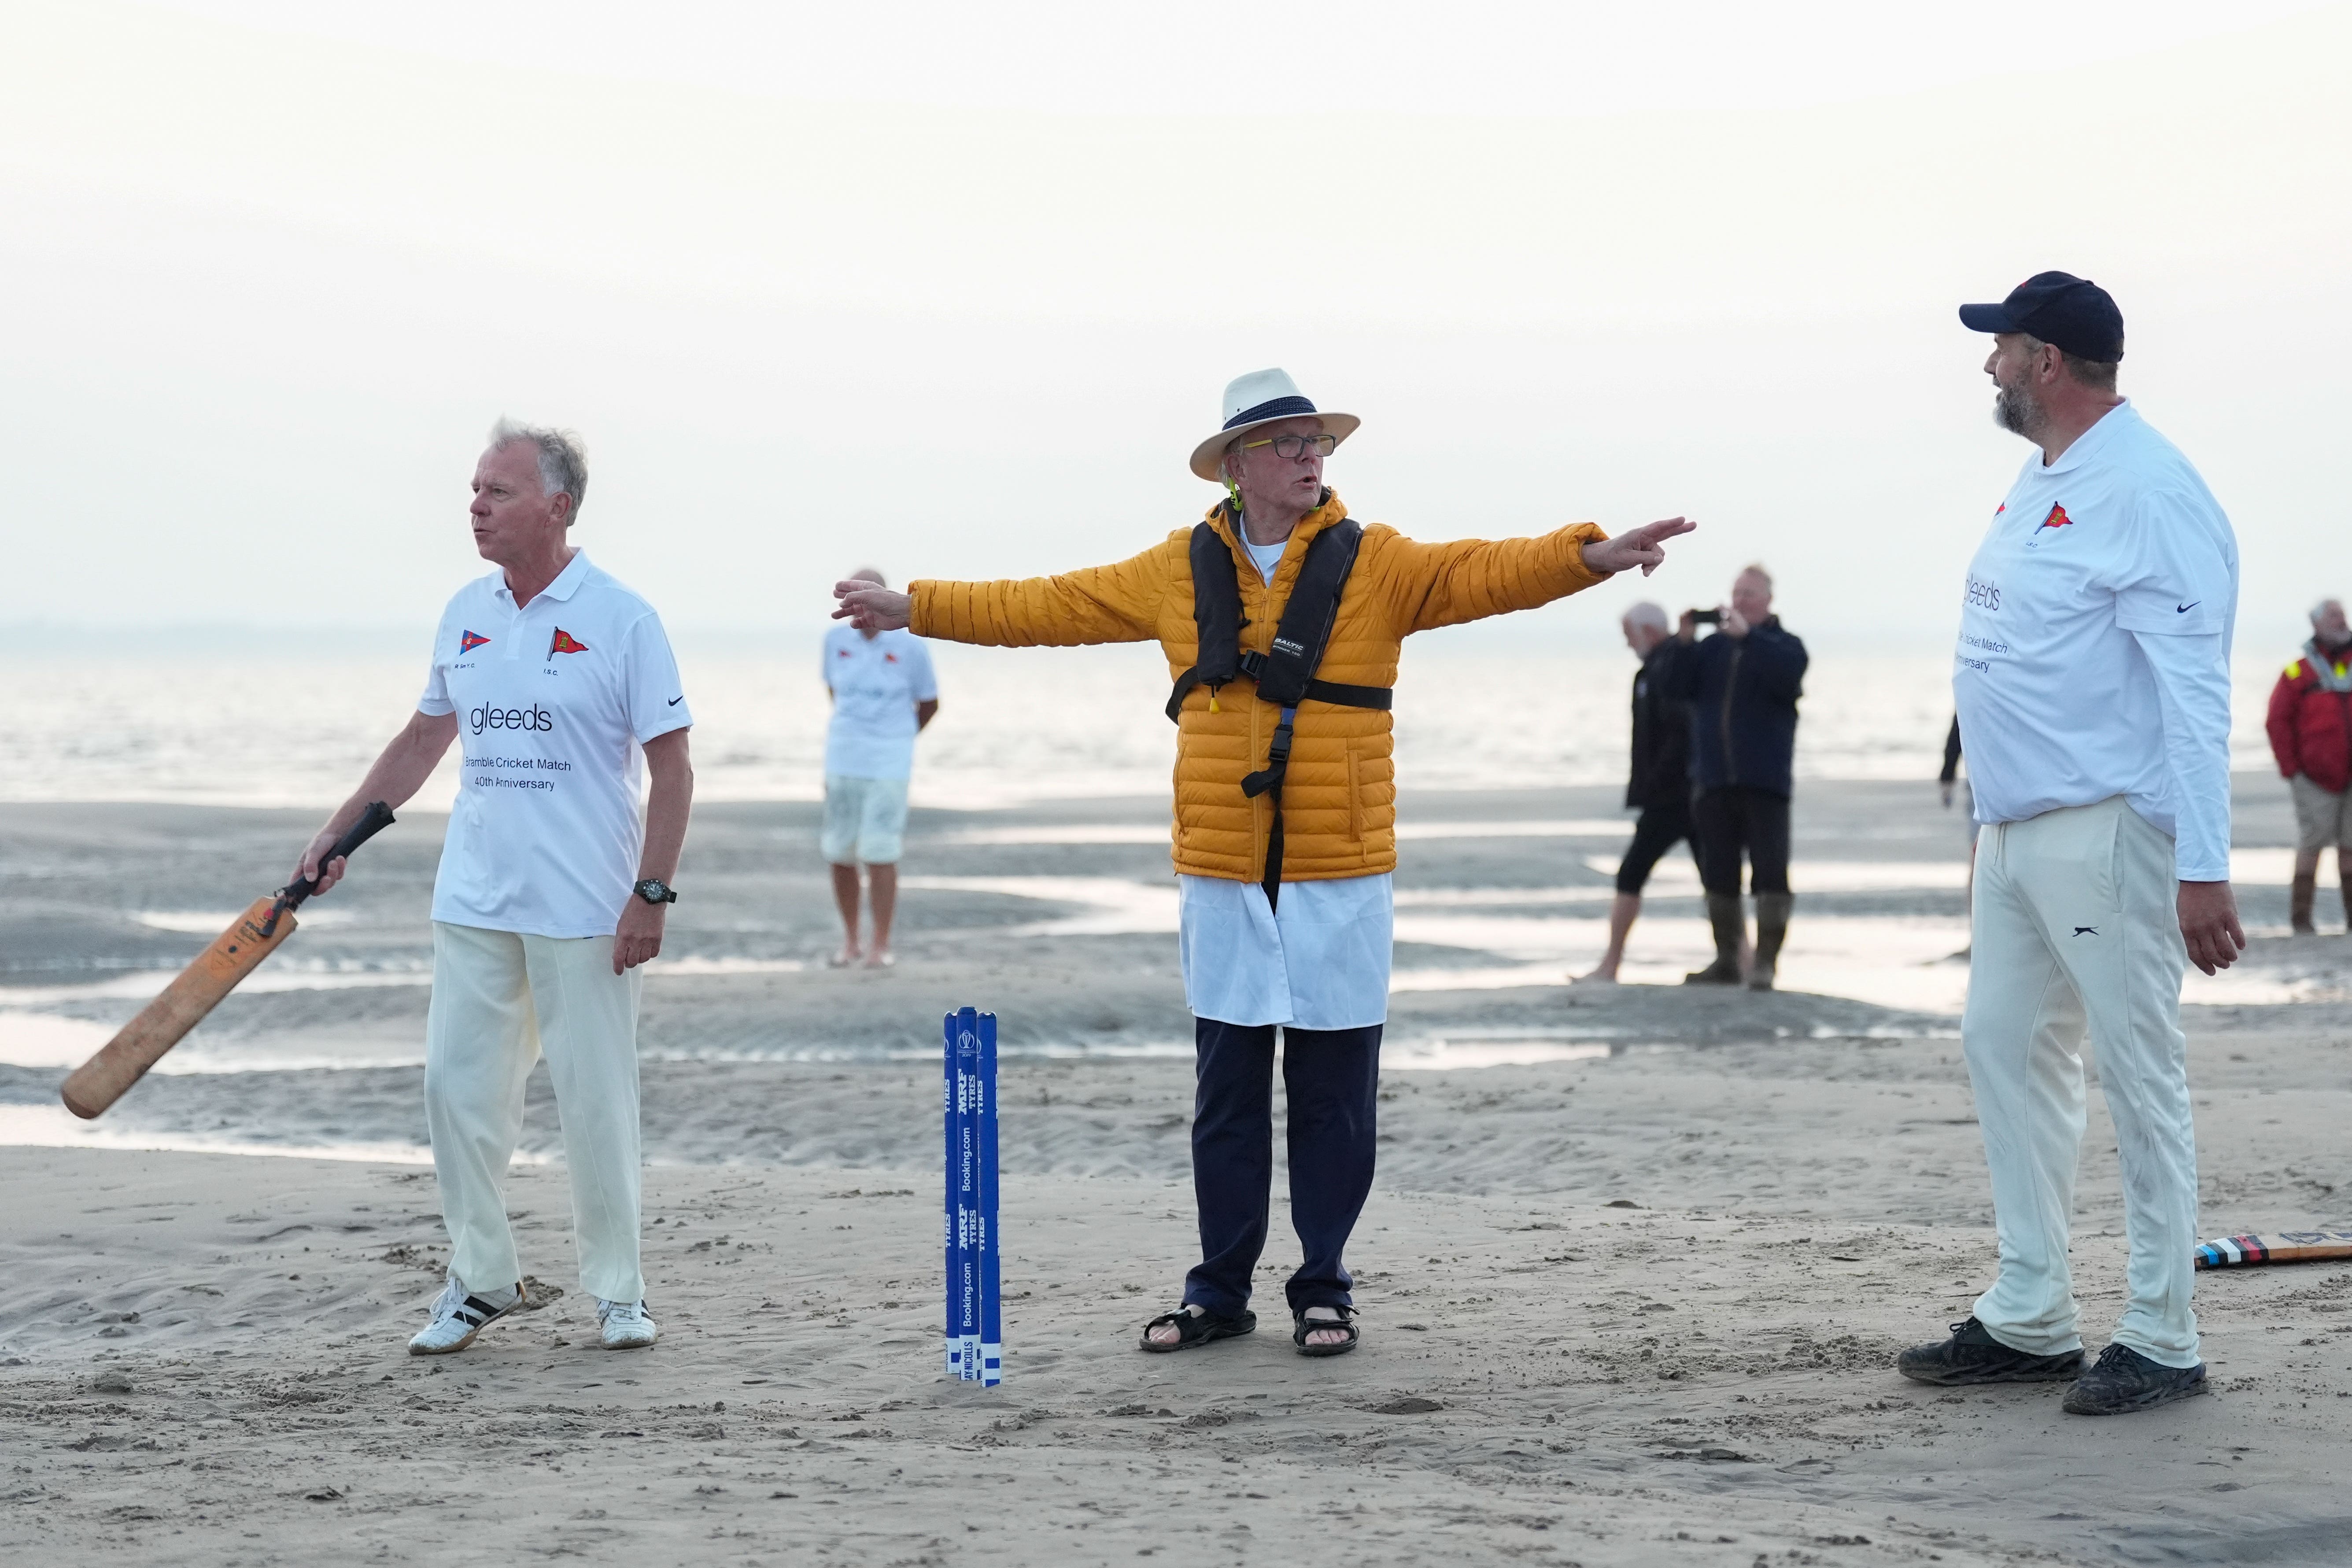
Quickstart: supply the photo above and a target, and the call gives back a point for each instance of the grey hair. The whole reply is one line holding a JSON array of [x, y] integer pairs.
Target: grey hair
[[2322, 608], [1226, 461], [1758, 568], [2099, 375], [562, 456], [1646, 614]]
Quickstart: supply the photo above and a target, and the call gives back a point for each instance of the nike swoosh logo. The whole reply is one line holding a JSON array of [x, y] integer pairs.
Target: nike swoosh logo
[[2184, 609], [675, 701]]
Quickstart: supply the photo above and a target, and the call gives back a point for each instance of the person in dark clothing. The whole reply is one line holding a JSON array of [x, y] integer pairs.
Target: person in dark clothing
[[1742, 685], [1659, 787], [1950, 782]]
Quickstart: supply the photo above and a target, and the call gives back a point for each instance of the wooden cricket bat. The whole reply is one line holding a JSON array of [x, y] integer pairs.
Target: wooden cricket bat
[[2279, 1247], [234, 954]]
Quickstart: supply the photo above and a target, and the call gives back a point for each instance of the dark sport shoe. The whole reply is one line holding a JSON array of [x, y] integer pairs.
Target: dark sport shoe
[[1973, 1355], [2124, 1380]]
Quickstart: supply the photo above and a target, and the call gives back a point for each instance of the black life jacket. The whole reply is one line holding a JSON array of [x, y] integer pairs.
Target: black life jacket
[[1284, 674]]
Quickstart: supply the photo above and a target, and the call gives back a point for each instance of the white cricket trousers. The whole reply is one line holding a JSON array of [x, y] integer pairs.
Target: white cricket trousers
[[2076, 922], [500, 999]]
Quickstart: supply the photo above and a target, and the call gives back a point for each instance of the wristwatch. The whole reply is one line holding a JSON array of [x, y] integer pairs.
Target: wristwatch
[[654, 891]]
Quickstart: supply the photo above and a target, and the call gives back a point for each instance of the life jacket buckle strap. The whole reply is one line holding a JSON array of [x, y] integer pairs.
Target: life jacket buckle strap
[[1277, 760]]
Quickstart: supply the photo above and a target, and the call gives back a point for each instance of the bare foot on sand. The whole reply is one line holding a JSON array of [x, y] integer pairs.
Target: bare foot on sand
[[842, 957], [881, 958]]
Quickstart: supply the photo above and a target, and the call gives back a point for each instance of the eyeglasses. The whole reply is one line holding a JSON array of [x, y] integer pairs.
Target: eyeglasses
[[1292, 446]]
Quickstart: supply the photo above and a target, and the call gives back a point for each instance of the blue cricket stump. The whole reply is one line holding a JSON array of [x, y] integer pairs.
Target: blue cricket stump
[[974, 1327], [991, 1282]]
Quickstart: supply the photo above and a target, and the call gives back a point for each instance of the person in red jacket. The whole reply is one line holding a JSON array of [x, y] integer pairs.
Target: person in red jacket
[[2310, 726]]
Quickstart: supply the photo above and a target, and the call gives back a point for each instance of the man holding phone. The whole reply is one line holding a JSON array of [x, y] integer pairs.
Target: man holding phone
[[1742, 685]]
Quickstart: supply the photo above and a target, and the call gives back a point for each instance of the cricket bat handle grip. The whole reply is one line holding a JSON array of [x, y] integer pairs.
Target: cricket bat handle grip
[[372, 821]]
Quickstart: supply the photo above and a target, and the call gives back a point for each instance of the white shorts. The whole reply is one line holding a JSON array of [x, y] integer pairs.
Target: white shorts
[[865, 820]]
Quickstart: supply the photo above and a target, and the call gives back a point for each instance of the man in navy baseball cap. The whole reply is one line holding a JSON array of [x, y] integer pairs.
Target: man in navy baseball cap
[[2092, 679], [2072, 313]]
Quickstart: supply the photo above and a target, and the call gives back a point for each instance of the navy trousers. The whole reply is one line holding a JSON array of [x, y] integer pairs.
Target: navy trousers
[[1332, 1078], [1728, 820]]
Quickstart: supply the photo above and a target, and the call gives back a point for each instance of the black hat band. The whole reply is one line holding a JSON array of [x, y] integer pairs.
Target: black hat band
[[1274, 408]]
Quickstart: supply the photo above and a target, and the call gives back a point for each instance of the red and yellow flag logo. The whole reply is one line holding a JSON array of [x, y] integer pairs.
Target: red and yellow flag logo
[[2057, 519], [565, 643]]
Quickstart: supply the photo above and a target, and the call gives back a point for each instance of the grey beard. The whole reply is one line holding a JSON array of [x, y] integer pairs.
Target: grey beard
[[2014, 410]]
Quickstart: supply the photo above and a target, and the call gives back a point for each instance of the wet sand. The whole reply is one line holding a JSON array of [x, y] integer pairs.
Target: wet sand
[[1699, 1378]]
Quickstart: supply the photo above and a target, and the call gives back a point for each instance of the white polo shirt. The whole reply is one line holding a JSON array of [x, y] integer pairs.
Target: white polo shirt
[[875, 682], [2094, 657], [553, 701]]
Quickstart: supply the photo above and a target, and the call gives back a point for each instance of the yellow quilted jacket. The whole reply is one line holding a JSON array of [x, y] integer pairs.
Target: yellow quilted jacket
[[1339, 798]]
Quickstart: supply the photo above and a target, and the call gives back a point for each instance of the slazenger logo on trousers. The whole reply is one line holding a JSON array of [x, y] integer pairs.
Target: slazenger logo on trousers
[[532, 717]]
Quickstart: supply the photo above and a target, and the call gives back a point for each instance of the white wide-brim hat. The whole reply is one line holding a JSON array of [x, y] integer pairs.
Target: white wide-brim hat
[[1261, 398]]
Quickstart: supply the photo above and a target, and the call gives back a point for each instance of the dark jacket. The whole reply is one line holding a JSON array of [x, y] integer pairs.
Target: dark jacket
[[1743, 694], [1661, 775]]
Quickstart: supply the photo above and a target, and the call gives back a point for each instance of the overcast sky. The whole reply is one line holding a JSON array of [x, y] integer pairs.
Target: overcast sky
[[954, 289]]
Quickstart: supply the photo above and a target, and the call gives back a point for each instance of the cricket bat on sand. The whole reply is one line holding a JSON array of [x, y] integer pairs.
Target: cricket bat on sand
[[2278, 1247], [234, 954]]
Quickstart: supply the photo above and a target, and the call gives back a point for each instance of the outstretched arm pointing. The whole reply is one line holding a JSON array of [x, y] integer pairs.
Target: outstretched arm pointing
[[1643, 547], [869, 608]]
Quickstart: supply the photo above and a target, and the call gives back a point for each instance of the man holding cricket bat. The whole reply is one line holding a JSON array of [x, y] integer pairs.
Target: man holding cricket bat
[[552, 889]]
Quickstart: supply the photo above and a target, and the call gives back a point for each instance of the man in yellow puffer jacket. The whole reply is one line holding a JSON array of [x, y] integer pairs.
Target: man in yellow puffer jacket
[[1310, 954]]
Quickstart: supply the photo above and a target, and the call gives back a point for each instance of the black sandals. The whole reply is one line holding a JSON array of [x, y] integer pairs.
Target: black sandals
[[1196, 1329], [1305, 1325]]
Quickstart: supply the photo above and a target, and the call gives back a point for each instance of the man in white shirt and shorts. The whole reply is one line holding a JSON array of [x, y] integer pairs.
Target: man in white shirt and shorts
[[552, 889], [2092, 682], [883, 692]]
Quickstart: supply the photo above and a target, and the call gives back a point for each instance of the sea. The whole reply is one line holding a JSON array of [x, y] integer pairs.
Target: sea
[[210, 722], [204, 724]]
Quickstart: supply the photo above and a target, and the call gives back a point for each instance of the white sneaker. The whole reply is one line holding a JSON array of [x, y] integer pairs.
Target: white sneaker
[[457, 1317], [624, 1324]]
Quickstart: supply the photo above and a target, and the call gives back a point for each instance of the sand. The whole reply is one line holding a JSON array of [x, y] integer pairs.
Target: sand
[[1630, 1299]]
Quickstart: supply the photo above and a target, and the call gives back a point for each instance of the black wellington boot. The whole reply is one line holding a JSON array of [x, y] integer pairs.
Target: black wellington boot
[[1771, 931], [1723, 913]]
